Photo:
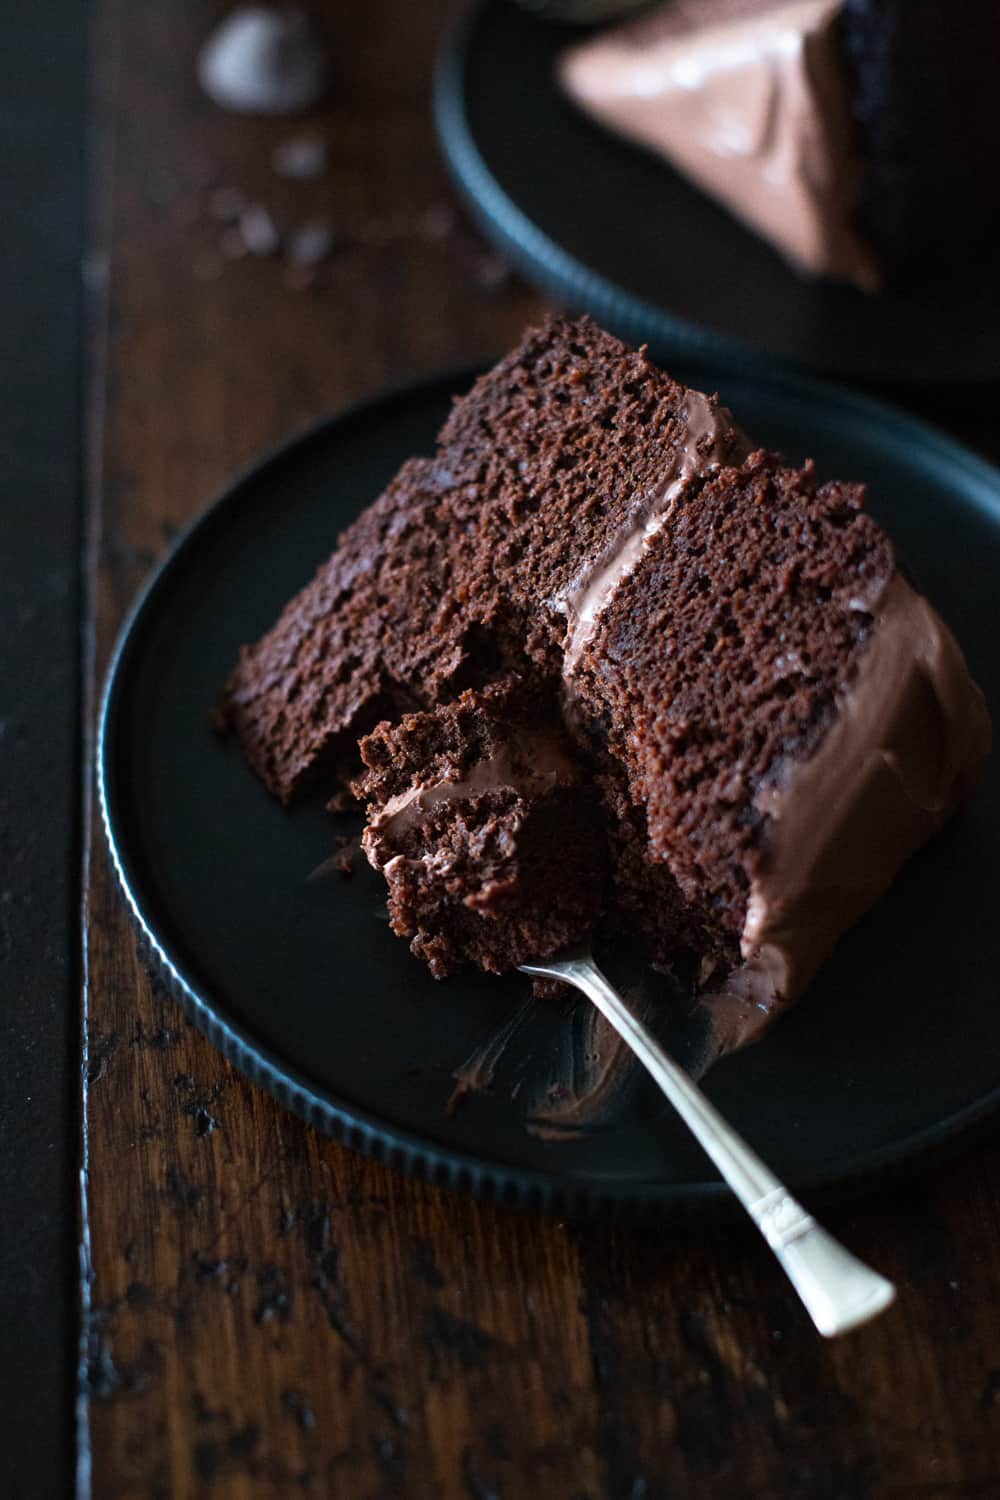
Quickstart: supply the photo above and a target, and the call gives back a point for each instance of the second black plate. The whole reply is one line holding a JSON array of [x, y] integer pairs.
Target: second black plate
[[613, 231], [304, 987]]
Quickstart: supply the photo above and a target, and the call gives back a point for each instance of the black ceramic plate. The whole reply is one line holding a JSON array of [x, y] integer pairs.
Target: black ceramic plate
[[612, 230], [302, 984]]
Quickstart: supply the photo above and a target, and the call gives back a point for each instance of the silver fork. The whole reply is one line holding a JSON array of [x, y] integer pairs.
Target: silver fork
[[838, 1290]]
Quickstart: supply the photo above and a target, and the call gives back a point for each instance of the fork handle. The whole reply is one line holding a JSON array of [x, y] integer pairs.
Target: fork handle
[[838, 1290]]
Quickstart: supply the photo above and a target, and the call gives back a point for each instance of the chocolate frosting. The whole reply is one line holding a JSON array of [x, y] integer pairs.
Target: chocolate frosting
[[908, 739], [753, 105], [711, 437], [535, 763]]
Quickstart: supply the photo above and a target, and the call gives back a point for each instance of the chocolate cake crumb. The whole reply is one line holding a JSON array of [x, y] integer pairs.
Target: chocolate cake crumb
[[259, 231]]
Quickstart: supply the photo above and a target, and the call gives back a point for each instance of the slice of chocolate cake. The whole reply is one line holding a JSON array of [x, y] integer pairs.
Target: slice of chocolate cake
[[771, 719], [856, 135]]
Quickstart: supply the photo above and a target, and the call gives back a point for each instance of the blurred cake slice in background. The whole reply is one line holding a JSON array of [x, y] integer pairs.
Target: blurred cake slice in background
[[855, 135]]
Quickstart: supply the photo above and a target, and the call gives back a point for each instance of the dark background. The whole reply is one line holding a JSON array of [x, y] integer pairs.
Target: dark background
[[41, 189], [268, 1314]]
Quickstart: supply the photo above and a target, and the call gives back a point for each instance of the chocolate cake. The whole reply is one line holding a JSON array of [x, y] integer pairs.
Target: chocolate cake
[[608, 662], [857, 135]]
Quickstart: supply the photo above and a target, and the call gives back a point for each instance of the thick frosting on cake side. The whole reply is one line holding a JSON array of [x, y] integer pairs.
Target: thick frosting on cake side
[[908, 739], [749, 101]]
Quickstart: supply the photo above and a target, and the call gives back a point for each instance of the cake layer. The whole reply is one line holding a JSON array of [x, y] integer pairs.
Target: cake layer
[[375, 632], [794, 719]]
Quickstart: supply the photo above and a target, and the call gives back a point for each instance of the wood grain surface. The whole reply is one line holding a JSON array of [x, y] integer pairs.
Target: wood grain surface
[[269, 1314]]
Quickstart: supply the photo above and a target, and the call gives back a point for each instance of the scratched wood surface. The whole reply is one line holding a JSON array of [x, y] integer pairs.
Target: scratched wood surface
[[270, 1314]]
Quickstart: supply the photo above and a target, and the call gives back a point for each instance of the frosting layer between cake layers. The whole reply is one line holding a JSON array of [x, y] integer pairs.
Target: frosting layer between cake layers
[[711, 438], [538, 763]]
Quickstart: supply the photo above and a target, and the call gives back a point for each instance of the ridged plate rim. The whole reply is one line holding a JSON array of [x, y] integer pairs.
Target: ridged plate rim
[[364, 1132]]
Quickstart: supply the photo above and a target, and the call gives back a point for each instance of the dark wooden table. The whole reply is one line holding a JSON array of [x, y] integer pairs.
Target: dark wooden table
[[266, 1314]]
